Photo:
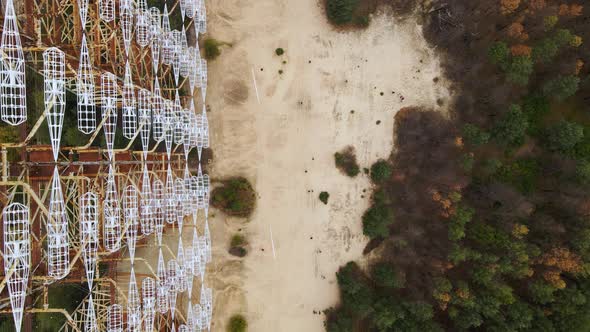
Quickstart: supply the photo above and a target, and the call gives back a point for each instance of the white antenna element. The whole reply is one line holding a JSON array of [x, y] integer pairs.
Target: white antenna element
[[192, 69], [85, 92], [196, 315], [189, 269], [155, 32], [194, 194], [17, 256], [90, 319], [182, 4], [126, 22], [169, 120], [133, 305], [158, 105], [201, 27], [147, 221], [58, 250], [111, 215], [145, 121], [187, 130], [130, 211], [187, 198], [88, 204], [191, 8], [162, 290], [128, 102], [189, 315], [176, 38], [158, 202], [13, 93], [142, 32], [114, 318], [167, 42], [170, 215], [148, 292], [207, 238], [183, 328], [83, 12], [183, 54], [180, 269], [109, 109], [54, 64], [179, 195], [197, 264], [106, 10], [172, 280], [203, 82], [178, 121]]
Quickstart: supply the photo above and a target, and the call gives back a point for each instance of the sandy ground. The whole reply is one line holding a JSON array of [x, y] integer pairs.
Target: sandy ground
[[281, 132]]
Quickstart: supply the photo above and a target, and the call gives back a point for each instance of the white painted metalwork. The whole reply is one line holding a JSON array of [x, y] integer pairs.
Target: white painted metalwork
[[167, 42], [130, 212], [58, 250], [13, 93], [180, 267], [83, 12], [133, 305], [191, 8], [182, 5], [172, 280], [176, 37], [128, 102], [187, 198], [111, 215], [197, 264], [207, 238], [142, 32], [170, 214], [106, 10], [85, 92], [207, 305], [145, 121], [196, 314], [183, 328], [203, 83], [168, 120], [162, 286], [192, 69], [178, 121], [194, 194], [108, 83], [156, 34], [147, 220], [158, 202], [126, 10], [90, 324], [148, 292], [54, 66], [201, 21], [17, 257], [189, 268], [88, 204], [158, 109], [115, 318]]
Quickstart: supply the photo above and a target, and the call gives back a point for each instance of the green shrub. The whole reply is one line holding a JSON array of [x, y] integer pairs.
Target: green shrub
[[510, 131], [564, 136], [339, 321], [279, 51], [235, 197], [324, 195], [562, 87], [475, 136], [238, 240], [346, 162], [386, 276], [499, 54], [212, 50], [583, 172], [376, 221], [380, 171], [237, 323], [549, 22], [519, 70], [341, 11]]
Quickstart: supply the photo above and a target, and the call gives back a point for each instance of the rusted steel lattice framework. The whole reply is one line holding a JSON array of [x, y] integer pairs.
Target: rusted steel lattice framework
[[70, 214]]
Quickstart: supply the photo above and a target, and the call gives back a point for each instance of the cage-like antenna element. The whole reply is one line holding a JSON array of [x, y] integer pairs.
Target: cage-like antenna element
[[172, 281], [133, 305], [192, 69], [158, 106], [147, 221], [85, 92], [183, 328], [114, 318], [126, 22], [156, 33], [176, 37], [187, 129], [106, 10], [17, 256], [186, 199], [13, 93], [88, 204], [130, 211], [157, 203], [189, 269], [203, 68], [128, 102], [162, 287], [108, 83], [148, 292], [191, 8], [180, 269], [207, 303], [197, 264], [145, 121], [83, 12], [201, 24], [90, 324], [54, 66], [196, 316], [170, 198], [111, 215], [167, 42], [58, 251], [169, 120], [178, 121], [179, 195], [142, 32]]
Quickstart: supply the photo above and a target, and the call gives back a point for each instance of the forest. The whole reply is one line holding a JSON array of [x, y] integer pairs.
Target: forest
[[481, 221]]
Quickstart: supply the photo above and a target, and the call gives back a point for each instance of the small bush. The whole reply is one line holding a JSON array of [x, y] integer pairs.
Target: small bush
[[212, 49], [340, 11], [237, 323], [324, 197], [346, 162], [235, 197], [385, 275], [380, 171], [279, 51], [376, 221], [238, 240]]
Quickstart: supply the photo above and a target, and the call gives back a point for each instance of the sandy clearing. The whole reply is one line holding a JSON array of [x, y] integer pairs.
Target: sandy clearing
[[302, 119]]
